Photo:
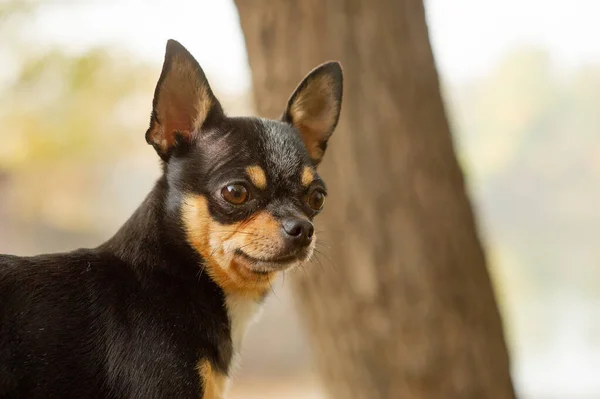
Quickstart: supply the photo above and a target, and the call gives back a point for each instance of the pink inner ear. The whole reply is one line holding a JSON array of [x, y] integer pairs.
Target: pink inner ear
[[183, 100], [181, 109], [174, 121], [178, 120], [314, 113]]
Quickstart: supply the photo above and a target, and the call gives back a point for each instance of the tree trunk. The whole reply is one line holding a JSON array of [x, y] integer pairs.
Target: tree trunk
[[404, 307]]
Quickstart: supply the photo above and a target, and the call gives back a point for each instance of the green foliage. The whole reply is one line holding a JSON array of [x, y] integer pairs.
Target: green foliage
[[75, 105], [62, 114]]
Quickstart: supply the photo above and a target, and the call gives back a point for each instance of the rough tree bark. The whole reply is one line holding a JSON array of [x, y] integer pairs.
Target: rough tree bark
[[405, 307]]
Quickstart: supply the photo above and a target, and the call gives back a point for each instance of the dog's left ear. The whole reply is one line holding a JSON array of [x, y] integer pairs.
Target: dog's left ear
[[314, 108], [183, 102]]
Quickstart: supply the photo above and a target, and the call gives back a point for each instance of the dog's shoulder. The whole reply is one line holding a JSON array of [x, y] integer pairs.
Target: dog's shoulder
[[46, 302], [39, 291]]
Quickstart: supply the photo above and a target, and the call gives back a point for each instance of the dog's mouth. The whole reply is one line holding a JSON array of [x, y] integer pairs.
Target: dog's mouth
[[272, 264]]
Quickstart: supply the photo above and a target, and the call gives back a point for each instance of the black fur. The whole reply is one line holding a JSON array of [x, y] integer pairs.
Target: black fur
[[130, 319]]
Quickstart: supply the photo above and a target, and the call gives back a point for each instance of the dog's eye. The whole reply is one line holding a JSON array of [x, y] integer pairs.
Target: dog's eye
[[316, 199], [235, 194]]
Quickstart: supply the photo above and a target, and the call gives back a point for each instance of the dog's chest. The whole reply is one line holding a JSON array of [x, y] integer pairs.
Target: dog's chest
[[242, 311]]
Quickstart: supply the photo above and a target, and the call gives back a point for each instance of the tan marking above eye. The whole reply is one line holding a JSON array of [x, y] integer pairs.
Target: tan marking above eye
[[308, 176], [257, 176]]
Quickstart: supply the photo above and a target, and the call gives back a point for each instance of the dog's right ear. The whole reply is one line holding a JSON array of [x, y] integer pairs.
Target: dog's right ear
[[183, 102]]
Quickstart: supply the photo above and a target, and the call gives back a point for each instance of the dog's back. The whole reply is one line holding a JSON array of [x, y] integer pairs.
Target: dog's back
[[34, 332], [51, 303]]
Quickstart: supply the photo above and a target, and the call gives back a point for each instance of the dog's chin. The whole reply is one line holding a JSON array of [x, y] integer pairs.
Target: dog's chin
[[272, 264]]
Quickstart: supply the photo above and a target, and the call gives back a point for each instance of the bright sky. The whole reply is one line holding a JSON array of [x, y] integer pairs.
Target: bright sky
[[468, 35]]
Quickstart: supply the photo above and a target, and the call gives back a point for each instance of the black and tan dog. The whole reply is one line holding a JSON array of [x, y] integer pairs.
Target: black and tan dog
[[160, 310]]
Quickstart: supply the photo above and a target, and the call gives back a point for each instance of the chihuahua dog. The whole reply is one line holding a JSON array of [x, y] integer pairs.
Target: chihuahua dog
[[161, 308]]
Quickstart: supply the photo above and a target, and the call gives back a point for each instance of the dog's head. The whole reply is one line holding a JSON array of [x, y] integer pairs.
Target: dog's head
[[246, 190]]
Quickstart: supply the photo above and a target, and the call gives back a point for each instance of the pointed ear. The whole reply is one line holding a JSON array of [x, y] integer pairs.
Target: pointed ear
[[183, 102], [314, 108]]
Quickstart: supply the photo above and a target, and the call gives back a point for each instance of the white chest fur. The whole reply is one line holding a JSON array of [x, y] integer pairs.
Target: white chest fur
[[242, 312]]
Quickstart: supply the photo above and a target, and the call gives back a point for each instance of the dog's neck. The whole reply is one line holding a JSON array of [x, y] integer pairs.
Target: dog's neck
[[152, 238]]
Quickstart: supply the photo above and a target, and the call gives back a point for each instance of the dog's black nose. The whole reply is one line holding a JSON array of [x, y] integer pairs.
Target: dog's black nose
[[298, 232]]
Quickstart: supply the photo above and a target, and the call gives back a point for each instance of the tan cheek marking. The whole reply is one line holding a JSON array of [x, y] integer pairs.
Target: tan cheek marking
[[208, 238], [213, 382], [261, 236], [257, 175], [308, 175]]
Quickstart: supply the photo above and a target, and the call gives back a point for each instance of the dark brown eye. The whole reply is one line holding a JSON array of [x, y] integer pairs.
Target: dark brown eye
[[235, 194], [316, 199]]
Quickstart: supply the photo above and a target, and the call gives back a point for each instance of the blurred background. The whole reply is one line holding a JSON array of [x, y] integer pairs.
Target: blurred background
[[521, 81]]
